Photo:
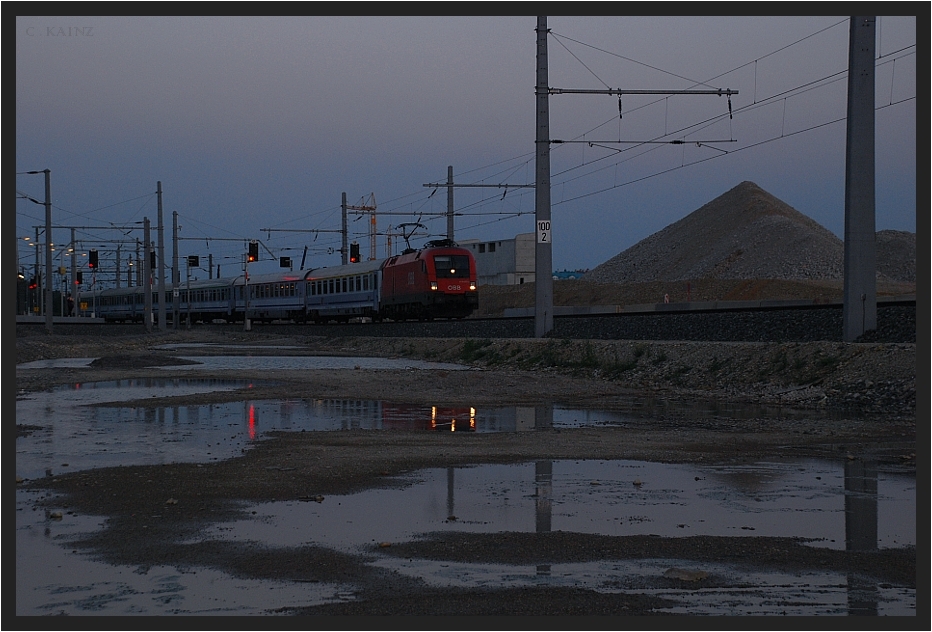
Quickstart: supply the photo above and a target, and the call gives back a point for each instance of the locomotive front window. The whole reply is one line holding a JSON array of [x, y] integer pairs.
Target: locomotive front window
[[452, 266]]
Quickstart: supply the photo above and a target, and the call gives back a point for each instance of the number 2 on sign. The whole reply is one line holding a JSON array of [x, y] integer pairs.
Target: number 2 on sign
[[543, 232]]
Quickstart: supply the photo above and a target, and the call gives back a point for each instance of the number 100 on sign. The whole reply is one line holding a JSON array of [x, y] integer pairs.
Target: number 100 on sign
[[543, 232]]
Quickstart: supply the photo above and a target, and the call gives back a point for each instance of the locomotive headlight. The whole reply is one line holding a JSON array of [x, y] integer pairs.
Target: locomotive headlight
[[472, 285], [433, 285]]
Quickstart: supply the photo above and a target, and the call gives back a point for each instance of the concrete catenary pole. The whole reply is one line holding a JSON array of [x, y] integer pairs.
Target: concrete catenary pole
[[543, 275], [48, 250], [860, 291], [37, 295], [344, 248], [147, 276], [176, 273], [450, 202], [75, 288], [160, 264]]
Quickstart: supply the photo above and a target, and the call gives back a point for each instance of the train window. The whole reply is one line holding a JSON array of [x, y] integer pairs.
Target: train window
[[330, 286], [452, 266], [481, 247], [344, 284], [491, 246]]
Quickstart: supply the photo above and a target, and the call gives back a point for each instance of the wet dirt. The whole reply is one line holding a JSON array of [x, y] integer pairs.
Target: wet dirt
[[296, 465]]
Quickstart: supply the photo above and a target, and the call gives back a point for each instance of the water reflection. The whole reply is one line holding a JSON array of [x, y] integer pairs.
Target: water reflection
[[804, 499], [854, 505]]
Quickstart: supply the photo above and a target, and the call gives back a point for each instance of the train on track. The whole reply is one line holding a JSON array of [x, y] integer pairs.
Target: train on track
[[437, 281]]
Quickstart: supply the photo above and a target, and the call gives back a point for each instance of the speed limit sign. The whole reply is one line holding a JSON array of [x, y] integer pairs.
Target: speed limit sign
[[543, 232]]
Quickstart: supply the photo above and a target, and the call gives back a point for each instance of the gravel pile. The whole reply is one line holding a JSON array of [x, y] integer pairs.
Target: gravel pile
[[747, 233]]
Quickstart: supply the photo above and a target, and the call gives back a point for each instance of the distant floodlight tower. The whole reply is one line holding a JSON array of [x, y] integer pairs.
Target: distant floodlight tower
[[860, 292]]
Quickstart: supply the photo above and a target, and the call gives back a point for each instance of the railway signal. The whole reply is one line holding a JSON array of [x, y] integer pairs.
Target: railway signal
[[194, 261], [92, 259], [354, 252], [253, 254]]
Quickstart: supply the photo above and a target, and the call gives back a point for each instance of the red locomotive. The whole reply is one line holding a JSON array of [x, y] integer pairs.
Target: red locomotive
[[438, 281]]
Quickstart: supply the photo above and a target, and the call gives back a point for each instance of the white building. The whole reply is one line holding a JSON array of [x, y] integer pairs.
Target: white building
[[504, 261]]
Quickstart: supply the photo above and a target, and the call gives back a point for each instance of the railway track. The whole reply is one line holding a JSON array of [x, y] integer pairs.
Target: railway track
[[896, 322]]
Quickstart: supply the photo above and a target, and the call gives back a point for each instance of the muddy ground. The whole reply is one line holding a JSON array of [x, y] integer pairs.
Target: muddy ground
[[307, 465]]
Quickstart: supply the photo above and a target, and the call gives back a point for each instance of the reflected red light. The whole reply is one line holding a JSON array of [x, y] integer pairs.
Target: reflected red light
[[252, 422]]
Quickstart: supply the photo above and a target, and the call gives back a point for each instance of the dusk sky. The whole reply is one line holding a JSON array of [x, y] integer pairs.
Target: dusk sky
[[255, 123]]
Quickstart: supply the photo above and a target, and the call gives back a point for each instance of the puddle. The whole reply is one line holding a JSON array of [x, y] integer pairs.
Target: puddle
[[840, 505], [53, 579], [73, 434], [70, 435], [217, 346], [806, 499], [265, 363]]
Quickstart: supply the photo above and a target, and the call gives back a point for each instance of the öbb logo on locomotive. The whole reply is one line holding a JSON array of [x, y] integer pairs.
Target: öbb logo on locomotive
[[415, 285]]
